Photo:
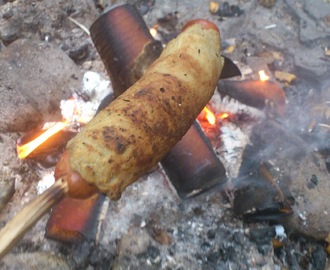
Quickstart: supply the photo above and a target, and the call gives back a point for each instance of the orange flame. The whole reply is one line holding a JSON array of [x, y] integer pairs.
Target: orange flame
[[263, 76], [74, 114], [210, 116], [24, 150]]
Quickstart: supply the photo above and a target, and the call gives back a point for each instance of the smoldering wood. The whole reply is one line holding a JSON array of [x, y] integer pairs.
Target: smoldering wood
[[192, 166]]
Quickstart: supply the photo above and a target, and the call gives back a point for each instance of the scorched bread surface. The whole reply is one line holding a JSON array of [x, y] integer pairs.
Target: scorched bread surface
[[136, 130]]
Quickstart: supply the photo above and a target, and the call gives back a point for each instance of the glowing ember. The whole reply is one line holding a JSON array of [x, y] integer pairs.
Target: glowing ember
[[210, 116], [263, 76], [24, 150], [224, 115]]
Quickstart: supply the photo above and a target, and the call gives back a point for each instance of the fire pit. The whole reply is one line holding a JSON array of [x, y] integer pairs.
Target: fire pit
[[266, 145]]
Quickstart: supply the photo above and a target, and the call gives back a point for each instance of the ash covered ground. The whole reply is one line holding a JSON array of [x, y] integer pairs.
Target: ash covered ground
[[150, 227]]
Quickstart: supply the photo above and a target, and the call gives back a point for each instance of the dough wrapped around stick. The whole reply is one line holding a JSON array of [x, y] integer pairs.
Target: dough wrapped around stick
[[136, 130]]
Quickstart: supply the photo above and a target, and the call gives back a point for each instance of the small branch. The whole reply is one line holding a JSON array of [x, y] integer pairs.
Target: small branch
[[324, 125]]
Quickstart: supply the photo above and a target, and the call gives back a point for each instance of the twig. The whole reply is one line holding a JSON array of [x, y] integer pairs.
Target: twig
[[324, 125], [15, 229], [83, 27]]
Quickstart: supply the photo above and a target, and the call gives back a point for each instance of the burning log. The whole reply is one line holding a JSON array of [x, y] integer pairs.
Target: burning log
[[111, 130], [257, 196], [261, 94], [260, 193], [73, 220], [192, 165], [27, 144], [125, 45]]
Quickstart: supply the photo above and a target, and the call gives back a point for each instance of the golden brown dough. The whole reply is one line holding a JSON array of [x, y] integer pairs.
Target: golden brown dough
[[136, 130]]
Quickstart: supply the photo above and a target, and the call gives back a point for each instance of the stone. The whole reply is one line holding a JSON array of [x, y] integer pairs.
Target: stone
[[267, 3], [310, 16], [7, 189], [308, 61], [310, 187], [46, 76], [300, 171]]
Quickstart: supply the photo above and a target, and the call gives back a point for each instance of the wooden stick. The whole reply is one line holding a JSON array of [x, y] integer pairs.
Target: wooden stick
[[15, 229]]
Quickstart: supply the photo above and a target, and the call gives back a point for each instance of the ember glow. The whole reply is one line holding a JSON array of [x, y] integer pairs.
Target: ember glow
[[209, 118], [24, 150], [224, 115], [263, 76]]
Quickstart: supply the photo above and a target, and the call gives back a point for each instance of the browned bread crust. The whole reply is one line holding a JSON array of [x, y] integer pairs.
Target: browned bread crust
[[136, 130]]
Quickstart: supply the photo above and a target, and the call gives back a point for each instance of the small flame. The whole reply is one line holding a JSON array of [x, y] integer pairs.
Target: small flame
[[24, 150], [263, 76], [73, 112], [210, 116], [224, 115]]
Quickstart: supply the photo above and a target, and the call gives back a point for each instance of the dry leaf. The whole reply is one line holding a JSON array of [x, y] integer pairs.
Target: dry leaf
[[214, 7], [327, 51], [230, 49], [285, 76]]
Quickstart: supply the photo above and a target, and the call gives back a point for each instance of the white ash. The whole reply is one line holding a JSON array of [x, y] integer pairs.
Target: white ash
[[230, 42], [222, 104], [139, 199], [95, 87], [280, 232], [246, 70], [302, 216], [270, 26], [234, 142], [234, 136], [77, 110], [47, 180]]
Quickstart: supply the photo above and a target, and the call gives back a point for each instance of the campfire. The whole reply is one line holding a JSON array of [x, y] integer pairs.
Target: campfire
[[245, 146]]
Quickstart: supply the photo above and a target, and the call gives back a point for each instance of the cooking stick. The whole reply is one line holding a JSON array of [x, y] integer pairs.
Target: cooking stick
[[15, 229]]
